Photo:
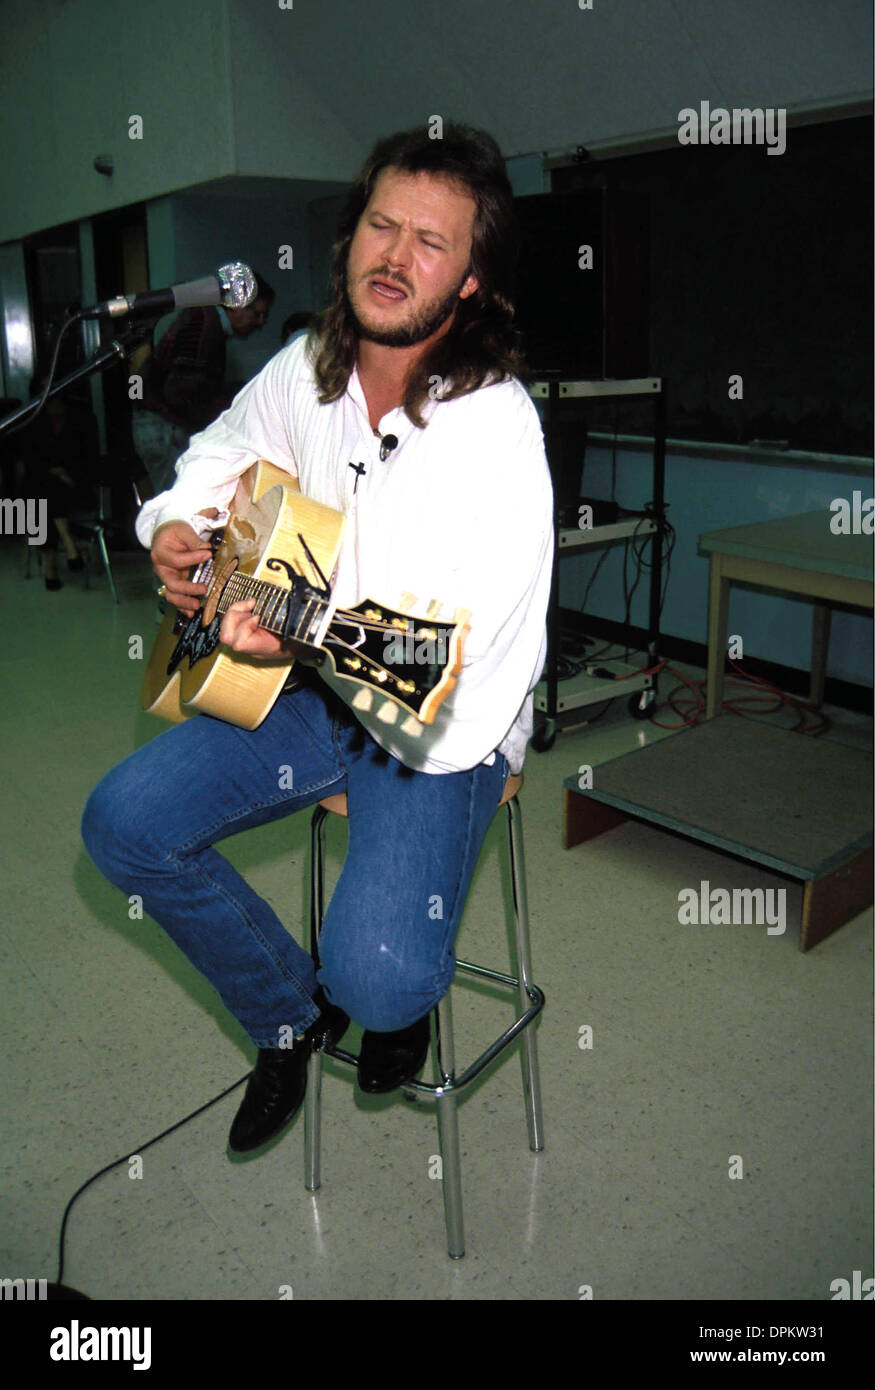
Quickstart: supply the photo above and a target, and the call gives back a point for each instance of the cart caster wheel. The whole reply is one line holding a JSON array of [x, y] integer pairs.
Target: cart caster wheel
[[642, 706], [544, 736]]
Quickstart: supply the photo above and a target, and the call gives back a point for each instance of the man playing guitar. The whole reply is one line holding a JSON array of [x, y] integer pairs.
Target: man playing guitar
[[403, 410]]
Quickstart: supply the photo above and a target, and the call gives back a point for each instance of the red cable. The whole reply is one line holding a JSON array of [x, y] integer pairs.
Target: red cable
[[751, 704]]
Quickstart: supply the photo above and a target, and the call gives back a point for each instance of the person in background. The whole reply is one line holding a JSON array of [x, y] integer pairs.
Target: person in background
[[296, 325], [61, 450], [184, 386]]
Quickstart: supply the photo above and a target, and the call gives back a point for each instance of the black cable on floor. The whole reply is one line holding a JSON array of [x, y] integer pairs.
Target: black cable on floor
[[137, 1150]]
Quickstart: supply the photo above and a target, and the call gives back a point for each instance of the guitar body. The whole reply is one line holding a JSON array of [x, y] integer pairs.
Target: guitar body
[[281, 549], [265, 520]]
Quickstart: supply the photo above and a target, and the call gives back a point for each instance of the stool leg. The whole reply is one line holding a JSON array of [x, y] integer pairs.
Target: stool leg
[[317, 879], [313, 1098], [448, 1130], [529, 1055], [313, 1124]]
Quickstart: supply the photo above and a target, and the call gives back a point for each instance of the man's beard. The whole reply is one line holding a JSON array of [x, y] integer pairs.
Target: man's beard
[[429, 318]]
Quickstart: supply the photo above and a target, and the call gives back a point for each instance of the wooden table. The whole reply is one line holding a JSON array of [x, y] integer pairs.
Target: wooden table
[[799, 554]]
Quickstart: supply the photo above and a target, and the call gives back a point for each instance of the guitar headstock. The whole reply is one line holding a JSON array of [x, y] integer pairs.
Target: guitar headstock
[[412, 659]]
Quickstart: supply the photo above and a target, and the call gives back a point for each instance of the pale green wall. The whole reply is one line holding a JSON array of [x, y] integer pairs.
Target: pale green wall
[[284, 124], [709, 494], [72, 75]]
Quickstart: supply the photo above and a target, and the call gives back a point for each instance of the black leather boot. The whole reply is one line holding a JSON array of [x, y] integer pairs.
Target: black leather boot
[[277, 1086], [387, 1060]]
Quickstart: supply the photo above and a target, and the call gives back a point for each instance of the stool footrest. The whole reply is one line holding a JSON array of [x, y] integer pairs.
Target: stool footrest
[[485, 973], [507, 1037]]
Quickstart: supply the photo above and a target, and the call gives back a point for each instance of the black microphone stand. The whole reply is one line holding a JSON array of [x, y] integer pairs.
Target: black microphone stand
[[135, 336]]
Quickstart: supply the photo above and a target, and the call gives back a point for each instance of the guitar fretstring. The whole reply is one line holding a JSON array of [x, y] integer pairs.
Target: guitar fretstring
[[245, 586], [204, 572], [269, 598]]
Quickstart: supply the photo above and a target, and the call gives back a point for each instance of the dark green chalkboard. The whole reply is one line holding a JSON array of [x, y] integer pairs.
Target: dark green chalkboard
[[760, 265]]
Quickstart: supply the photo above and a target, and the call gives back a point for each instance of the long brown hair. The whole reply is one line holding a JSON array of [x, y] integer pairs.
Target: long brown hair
[[482, 344]]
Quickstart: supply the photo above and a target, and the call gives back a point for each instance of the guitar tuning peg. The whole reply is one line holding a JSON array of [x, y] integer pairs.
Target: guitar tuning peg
[[434, 607], [364, 699], [412, 726], [408, 601], [388, 712]]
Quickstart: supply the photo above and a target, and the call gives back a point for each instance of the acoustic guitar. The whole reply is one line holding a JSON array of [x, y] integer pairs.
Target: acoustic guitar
[[281, 549]]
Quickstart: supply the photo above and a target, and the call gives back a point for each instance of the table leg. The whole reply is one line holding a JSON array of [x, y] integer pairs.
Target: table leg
[[819, 648], [718, 622]]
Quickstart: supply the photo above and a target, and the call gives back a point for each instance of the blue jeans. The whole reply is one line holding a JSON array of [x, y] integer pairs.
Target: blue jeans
[[387, 942]]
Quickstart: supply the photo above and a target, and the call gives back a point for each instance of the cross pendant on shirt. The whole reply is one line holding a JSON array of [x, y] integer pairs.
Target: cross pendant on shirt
[[358, 469]]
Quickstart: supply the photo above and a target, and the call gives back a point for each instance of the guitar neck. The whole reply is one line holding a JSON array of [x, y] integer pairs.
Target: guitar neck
[[298, 612]]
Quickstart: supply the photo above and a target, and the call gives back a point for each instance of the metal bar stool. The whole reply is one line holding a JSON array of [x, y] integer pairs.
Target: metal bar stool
[[446, 1090]]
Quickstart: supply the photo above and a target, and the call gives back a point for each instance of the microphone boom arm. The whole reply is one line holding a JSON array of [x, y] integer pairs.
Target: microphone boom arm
[[116, 351]]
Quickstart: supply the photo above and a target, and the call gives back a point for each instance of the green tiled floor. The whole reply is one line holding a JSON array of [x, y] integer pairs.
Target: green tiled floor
[[707, 1042]]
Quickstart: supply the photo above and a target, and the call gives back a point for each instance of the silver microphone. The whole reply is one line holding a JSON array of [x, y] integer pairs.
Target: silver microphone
[[233, 286]]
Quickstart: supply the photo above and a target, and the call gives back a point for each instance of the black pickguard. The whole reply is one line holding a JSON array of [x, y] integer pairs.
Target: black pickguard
[[195, 642]]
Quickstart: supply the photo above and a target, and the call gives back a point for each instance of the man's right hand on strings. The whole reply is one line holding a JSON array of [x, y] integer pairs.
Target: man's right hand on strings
[[176, 547]]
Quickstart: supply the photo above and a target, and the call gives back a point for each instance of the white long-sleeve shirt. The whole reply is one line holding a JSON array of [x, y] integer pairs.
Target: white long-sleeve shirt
[[460, 511]]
